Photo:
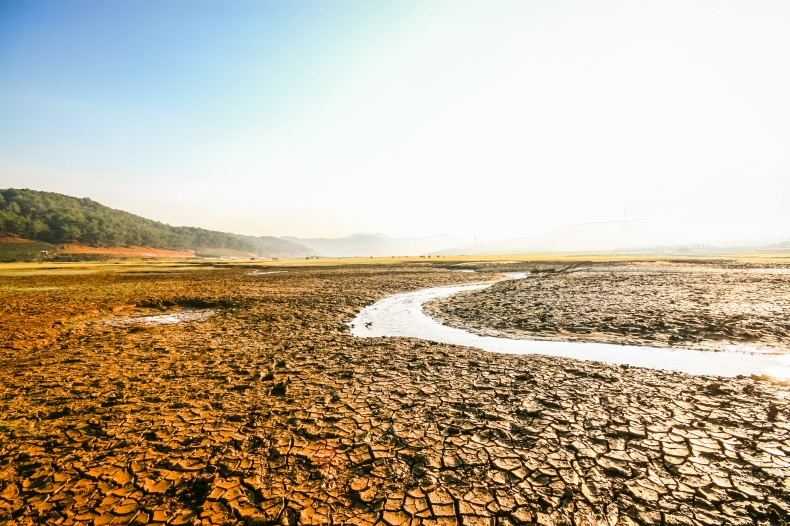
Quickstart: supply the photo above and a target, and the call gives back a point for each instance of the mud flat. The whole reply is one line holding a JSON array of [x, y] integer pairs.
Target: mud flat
[[706, 306], [271, 412]]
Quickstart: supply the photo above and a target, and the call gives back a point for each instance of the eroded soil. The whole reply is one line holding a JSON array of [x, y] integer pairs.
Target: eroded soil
[[695, 306], [270, 412]]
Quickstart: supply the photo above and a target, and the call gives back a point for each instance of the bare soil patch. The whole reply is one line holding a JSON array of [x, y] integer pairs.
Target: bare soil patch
[[121, 252], [271, 412]]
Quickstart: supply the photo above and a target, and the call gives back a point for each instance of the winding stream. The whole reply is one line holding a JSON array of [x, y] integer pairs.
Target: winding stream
[[402, 315]]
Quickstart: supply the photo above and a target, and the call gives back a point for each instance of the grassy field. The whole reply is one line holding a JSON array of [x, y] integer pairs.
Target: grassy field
[[11, 252], [223, 253]]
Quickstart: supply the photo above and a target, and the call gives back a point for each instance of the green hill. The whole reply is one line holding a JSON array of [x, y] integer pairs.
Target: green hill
[[57, 218], [47, 217]]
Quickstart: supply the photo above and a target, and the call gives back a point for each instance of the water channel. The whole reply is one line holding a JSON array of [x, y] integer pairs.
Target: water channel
[[402, 315]]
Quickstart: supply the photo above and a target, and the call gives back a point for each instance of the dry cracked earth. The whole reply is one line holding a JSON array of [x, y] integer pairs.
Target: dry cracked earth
[[268, 411]]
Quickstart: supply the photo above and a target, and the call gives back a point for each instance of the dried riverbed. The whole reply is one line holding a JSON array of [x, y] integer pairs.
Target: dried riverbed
[[270, 412]]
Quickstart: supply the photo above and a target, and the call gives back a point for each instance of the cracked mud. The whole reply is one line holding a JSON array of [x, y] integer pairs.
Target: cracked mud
[[270, 412]]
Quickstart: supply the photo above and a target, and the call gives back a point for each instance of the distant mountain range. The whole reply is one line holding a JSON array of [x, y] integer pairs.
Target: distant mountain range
[[586, 237], [59, 219], [275, 247], [378, 245]]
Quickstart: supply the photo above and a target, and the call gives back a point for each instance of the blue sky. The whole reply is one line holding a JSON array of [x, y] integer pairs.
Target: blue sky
[[328, 118], [140, 82]]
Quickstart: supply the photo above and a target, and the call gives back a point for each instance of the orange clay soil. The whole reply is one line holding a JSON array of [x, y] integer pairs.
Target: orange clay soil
[[11, 239], [261, 408], [126, 251]]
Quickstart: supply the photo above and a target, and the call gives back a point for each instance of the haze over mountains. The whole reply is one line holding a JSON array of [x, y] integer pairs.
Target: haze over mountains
[[274, 247], [379, 245], [646, 236], [746, 210]]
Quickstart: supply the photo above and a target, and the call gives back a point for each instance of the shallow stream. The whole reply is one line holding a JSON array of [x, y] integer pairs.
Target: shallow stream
[[402, 315]]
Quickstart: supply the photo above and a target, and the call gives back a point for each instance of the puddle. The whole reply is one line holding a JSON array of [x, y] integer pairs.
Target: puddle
[[516, 275], [402, 315], [257, 273], [186, 315]]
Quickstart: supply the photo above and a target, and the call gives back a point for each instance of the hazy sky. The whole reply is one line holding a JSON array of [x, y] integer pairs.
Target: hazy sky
[[328, 118]]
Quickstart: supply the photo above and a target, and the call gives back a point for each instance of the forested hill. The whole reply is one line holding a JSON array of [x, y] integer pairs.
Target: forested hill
[[57, 218]]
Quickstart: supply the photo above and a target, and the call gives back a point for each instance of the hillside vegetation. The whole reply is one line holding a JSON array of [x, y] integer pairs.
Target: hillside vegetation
[[13, 251], [56, 218]]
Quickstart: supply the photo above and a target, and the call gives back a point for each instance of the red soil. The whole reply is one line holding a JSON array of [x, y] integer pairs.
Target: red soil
[[126, 251], [11, 239]]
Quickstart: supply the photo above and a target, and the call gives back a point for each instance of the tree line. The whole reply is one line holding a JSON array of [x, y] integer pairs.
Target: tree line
[[58, 218]]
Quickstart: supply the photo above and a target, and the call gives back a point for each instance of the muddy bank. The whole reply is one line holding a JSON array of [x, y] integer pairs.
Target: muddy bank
[[694, 306], [271, 412]]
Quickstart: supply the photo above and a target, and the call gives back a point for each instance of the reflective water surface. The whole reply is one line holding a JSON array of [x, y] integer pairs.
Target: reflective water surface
[[402, 315], [186, 315]]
